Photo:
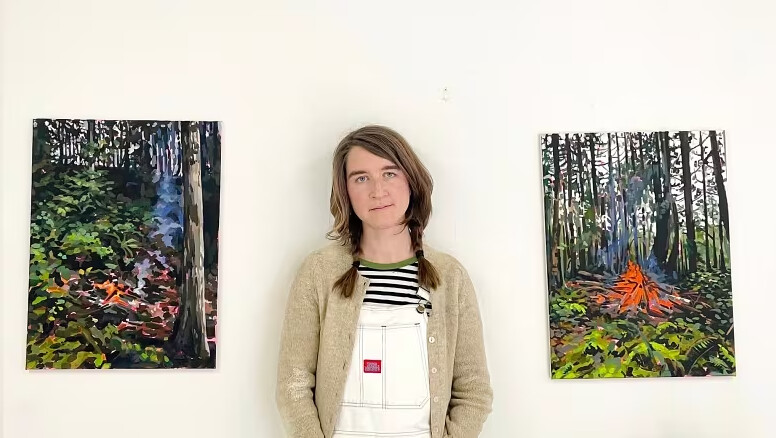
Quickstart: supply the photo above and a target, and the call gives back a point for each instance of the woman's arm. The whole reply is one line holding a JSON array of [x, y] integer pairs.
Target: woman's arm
[[299, 356], [472, 396]]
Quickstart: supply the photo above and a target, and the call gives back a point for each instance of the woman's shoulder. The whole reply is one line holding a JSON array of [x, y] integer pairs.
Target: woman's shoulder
[[333, 257], [444, 262], [453, 274]]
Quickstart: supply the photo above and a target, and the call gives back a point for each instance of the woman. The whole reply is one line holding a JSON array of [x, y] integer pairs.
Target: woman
[[382, 333]]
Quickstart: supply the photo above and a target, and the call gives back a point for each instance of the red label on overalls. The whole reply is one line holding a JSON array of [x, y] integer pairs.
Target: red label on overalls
[[372, 366]]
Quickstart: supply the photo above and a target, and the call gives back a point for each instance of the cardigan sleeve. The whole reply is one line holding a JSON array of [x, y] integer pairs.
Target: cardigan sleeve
[[471, 393], [299, 356]]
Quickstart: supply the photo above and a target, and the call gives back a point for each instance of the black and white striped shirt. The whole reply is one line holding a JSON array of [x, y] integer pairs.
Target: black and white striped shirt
[[394, 284]]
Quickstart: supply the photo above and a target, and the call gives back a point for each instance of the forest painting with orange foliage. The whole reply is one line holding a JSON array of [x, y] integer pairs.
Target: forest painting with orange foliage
[[123, 267], [637, 238]]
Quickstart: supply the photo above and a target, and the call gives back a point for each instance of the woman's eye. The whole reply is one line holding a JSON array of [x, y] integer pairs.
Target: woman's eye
[[390, 174], [361, 178]]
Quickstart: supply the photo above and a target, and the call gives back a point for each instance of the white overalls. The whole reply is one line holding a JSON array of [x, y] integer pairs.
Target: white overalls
[[387, 390]]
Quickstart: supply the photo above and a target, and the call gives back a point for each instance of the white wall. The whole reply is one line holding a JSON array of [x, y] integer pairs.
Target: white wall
[[288, 79], [2, 207]]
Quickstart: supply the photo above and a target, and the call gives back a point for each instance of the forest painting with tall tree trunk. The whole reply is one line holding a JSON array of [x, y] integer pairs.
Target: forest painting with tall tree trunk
[[637, 237], [123, 269]]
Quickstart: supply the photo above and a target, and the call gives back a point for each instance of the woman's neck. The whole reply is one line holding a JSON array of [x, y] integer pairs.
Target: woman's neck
[[386, 245]]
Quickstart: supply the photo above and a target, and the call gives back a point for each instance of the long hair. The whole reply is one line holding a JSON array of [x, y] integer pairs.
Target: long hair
[[348, 229]]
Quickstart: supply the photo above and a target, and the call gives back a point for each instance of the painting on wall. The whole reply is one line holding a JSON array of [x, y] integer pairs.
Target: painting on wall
[[123, 268], [637, 235]]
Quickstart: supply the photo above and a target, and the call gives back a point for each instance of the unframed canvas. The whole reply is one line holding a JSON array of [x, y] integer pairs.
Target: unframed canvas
[[123, 262], [638, 258]]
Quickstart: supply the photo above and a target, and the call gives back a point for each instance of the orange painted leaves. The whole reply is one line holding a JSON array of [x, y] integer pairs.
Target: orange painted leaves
[[636, 291]]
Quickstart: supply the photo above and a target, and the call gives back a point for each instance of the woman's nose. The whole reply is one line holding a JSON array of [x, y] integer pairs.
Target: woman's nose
[[378, 189]]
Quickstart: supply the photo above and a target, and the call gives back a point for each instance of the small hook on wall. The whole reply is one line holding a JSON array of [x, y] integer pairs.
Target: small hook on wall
[[445, 94]]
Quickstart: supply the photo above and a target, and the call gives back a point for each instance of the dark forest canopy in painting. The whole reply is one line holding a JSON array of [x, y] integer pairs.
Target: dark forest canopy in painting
[[638, 259], [123, 244]]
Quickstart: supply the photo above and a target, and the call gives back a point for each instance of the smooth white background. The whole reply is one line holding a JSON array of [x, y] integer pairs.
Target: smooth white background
[[289, 78]]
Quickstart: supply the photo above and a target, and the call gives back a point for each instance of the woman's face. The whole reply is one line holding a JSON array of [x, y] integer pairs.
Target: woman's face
[[378, 189]]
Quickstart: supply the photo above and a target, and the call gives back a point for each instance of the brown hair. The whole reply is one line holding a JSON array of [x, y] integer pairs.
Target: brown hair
[[389, 144]]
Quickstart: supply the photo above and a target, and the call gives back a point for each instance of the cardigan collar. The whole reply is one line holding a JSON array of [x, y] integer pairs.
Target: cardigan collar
[[345, 258]]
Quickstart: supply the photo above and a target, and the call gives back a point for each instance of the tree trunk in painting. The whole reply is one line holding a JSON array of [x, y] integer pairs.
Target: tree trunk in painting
[[581, 185], [555, 207], [571, 248], [60, 142], [41, 153], [644, 236], [556, 265], [612, 262], [90, 142], [692, 249], [622, 249], [633, 213], [660, 245], [723, 203], [715, 259], [548, 203], [126, 130], [671, 263], [722, 264], [705, 203], [594, 190], [190, 334]]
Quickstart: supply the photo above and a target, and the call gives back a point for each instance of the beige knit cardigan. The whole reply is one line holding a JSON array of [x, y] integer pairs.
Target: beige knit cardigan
[[318, 337]]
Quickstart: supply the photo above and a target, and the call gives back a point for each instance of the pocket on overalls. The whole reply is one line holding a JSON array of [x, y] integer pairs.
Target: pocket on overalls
[[405, 383], [364, 385]]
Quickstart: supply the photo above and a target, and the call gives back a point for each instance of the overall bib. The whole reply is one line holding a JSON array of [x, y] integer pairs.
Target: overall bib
[[387, 388]]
